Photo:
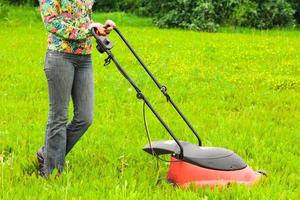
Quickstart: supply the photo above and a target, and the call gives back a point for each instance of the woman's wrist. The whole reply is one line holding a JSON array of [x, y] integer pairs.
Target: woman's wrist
[[91, 26]]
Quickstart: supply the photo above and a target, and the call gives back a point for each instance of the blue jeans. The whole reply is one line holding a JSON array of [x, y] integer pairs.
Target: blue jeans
[[68, 75]]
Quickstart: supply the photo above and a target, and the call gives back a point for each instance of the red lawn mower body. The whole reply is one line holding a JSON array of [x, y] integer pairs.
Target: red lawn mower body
[[203, 166], [185, 174]]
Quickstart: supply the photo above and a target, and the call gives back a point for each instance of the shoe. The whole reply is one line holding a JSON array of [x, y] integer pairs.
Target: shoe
[[41, 159], [59, 174]]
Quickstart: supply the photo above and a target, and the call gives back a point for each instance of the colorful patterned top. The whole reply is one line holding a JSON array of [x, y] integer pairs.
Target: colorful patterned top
[[67, 22]]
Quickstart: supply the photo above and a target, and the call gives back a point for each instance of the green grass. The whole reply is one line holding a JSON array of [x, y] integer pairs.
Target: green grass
[[240, 91]]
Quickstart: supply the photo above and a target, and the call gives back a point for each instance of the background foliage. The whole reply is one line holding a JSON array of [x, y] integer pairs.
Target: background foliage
[[209, 14], [205, 15]]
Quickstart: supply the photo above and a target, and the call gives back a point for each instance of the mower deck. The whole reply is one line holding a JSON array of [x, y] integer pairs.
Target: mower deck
[[208, 157], [203, 166]]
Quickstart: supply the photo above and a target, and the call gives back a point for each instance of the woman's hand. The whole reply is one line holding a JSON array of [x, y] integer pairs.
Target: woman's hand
[[100, 29], [103, 30], [109, 26]]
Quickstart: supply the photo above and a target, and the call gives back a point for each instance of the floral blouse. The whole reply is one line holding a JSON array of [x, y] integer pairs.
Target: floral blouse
[[67, 22]]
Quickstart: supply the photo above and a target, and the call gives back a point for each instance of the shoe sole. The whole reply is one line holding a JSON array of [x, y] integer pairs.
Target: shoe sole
[[40, 158]]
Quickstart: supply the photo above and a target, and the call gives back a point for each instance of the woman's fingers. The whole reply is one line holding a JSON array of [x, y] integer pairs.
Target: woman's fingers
[[109, 25], [105, 29], [108, 30], [100, 28], [101, 31]]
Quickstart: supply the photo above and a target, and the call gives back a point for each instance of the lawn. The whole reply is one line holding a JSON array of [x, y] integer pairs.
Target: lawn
[[239, 88]]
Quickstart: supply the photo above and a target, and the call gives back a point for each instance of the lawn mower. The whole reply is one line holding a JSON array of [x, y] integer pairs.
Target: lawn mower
[[190, 164]]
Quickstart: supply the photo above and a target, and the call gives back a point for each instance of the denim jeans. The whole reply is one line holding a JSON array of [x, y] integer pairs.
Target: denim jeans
[[68, 75]]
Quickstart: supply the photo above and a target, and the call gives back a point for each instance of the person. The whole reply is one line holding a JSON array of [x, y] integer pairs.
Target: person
[[68, 69]]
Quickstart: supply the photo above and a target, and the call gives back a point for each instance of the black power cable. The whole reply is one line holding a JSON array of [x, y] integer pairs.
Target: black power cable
[[149, 138]]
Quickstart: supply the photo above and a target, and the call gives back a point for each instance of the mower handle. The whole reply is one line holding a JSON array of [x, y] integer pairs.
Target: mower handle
[[161, 87], [103, 46]]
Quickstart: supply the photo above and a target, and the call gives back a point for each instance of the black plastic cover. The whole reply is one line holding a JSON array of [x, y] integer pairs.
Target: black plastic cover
[[216, 158]]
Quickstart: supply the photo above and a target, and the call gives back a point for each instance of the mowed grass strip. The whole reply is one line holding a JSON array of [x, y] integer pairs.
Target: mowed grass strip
[[240, 91]]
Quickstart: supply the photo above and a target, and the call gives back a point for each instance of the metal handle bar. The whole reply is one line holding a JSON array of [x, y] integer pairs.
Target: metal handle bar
[[162, 88], [140, 95]]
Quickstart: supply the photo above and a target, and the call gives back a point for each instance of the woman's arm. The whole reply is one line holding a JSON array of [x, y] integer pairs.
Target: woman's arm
[[55, 23]]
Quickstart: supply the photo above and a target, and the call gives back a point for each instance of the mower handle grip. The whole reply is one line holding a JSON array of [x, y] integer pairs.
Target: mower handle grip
[[103, 43], [94, 32]]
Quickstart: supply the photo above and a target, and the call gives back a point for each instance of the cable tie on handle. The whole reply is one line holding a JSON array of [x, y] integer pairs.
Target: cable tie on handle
[[107, 61], [140, 95], [164, 91]]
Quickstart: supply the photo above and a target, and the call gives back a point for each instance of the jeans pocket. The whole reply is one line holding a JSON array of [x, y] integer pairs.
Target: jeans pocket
[[51, 64], [51, 60]]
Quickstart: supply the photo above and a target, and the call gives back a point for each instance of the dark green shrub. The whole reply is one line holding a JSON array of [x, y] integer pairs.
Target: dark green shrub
[[275, 14], [203, 17], [23, 2], [224, 10], [207, 14], [245, 14], [116, 5], [188, 14], [203, 14], [3, 10], [296, 6], [147, 8], [128, 5], [107, 5]]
